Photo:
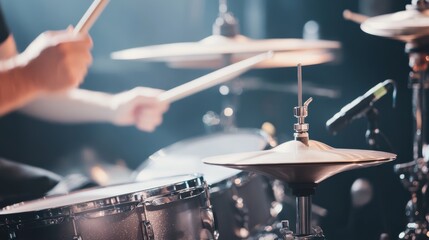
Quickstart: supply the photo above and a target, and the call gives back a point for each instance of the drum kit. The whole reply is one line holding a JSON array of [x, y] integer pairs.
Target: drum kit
[[220, 186]]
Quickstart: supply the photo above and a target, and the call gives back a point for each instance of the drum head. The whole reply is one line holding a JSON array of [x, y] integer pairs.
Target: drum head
[[185, 157], [141, 189]]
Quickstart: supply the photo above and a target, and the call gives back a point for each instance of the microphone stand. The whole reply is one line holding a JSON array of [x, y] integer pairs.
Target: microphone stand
[[373, 132]]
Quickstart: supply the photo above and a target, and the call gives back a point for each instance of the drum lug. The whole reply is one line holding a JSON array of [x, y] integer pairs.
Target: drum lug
[[147, 229], [207, 216], [208, 222], [75, 228]]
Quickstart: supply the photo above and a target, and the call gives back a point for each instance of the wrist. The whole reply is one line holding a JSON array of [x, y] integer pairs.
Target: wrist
[[20, 73]]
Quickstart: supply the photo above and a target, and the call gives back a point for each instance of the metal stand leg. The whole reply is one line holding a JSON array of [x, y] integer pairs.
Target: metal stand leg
[[414, 174]]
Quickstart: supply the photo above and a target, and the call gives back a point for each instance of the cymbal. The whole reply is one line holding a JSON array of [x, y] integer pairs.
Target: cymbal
[[406, 26], [295, 162], [279, 60], [215, 47]]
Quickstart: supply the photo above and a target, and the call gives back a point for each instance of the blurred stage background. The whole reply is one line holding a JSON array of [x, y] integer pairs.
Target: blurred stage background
[[364, 61]]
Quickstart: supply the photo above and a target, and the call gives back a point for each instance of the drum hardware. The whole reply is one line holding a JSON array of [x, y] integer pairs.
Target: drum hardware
[[207, 216], [302, 163], [123, 209], [412, 27], [415, 172], [239, 205], [146, 226], [76, 235]]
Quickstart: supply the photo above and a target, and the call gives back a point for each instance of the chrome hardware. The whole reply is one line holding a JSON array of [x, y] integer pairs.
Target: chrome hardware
[[301, 112], [147, 229], [76, 235]]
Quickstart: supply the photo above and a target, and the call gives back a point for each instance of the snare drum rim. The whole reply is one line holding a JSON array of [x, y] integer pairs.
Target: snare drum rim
[[57, 215]]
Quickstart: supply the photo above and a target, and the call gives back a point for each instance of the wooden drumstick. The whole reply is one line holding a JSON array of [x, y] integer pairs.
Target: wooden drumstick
[[354, 17], [90, 16], [214, 78]]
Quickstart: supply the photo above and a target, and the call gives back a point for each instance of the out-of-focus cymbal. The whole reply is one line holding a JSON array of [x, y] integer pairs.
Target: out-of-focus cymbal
[[216, 46], [406, 26], [280, 59], [311, 89], [295, 162]]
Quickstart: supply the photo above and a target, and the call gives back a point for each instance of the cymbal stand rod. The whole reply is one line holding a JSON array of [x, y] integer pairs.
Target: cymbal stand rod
[[230, 99], [303, 216], [301, 112], [419, 64], [304, 231], [299, 85]]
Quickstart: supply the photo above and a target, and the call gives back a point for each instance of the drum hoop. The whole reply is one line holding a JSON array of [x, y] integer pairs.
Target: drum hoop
[[120, 203]]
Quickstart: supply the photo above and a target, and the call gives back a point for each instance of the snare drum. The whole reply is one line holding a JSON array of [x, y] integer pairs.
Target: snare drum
[[242, 202], [166, 208]]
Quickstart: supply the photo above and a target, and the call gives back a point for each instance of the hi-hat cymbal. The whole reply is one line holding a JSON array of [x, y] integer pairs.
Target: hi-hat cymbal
[[406, 26], [215, 47], [295, 162]]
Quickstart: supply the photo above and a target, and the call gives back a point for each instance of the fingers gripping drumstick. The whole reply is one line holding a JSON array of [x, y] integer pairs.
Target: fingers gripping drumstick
[[90, 16], [214, 78]]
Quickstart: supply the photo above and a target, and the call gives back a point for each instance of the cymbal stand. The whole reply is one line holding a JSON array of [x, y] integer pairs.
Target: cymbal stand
[[302, 191], [226, 25], [414, 175]]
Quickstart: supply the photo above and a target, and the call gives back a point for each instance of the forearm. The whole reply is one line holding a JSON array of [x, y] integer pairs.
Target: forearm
[[15, 89], [74, 106]]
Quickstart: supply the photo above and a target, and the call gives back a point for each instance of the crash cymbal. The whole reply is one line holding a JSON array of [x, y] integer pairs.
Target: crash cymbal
[[280, 59], [216, 46], [294, 162], [406, 26]]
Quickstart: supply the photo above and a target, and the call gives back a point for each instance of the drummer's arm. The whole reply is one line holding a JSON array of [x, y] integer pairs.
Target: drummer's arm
[[26, 75], [13, 90], [139, 107]]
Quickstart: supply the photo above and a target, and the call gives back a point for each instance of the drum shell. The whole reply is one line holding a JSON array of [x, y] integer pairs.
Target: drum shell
[[256, 212], [168, 217]]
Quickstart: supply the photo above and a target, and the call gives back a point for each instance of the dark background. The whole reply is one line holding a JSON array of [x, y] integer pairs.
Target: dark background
[[364, 61]]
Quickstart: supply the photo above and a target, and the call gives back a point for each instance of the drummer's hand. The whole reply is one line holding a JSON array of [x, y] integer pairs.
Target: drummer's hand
[[57, 60], [140, 107]]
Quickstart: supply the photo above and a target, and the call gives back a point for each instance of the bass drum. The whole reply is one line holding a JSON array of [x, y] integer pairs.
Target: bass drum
[[242, 203], [177, 207]]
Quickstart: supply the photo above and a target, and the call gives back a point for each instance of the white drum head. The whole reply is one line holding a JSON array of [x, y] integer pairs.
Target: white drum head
[[92, 195], [185, 157]]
